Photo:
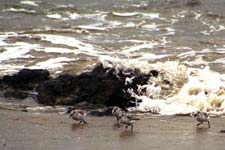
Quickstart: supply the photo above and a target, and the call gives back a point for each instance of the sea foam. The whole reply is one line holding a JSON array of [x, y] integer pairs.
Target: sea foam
[[178, 89]]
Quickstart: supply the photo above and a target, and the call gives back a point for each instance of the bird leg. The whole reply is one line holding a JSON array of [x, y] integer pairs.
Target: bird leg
[[118, 122], [84, 121], [131, 127], [199, 123], [208, 124], [80, 122]]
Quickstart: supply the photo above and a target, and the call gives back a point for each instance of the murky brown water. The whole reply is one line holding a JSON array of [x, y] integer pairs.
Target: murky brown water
[[29, 131]]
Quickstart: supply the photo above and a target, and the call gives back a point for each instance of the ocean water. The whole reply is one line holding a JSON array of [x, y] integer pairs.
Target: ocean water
[[182, 39]]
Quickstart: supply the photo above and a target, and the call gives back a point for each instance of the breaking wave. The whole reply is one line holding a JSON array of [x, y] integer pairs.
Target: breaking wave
[[177, 89]]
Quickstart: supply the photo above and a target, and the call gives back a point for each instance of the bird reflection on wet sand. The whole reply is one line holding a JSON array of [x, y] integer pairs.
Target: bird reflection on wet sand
[[76, 126], [201, 130], [127, 133], [115, 126]]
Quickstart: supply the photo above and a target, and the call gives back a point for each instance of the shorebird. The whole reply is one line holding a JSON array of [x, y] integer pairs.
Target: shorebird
[[123, 118], [78, 115], [118, 113], [202, 117], [127, 122]]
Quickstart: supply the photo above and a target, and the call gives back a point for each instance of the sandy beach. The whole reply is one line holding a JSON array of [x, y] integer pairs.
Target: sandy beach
[[51, 131]]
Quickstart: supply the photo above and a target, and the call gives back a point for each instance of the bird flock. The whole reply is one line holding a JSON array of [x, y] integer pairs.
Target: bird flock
[[124, 119]]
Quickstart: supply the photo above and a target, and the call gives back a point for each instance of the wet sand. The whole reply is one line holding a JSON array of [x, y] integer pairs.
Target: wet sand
[[35, 131]]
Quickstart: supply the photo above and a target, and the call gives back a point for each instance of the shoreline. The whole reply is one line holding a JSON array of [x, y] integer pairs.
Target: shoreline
[[33, 131]]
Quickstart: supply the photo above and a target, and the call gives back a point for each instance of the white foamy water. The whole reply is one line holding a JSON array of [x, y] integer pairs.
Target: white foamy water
[[17, 50], [151, 57], [54, 16], [65, 40], [9, 69], [19, 10], [138, 47], [152, 26], [2, 41], [197, 61], [192, 89], [125, 14], [53, 63], [73, 15], [131, 14], [32, 3], [66, 15], [198, 15], [93, 27], [57, 50]]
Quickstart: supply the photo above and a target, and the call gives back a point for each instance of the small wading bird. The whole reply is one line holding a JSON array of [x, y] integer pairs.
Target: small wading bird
[[123, 118], [78, 115], [202, 117], [118, 113], [127, 121]]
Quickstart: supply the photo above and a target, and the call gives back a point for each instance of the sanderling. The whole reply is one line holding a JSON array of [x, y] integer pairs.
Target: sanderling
[[124, 118], [202, 117], [78, 115], [118, 113], [127, 121]]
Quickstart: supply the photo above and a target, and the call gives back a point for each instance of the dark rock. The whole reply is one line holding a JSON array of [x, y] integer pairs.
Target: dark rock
[[17, 85], [95, 87], [25, 78], [17, 94], [103, 86]]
